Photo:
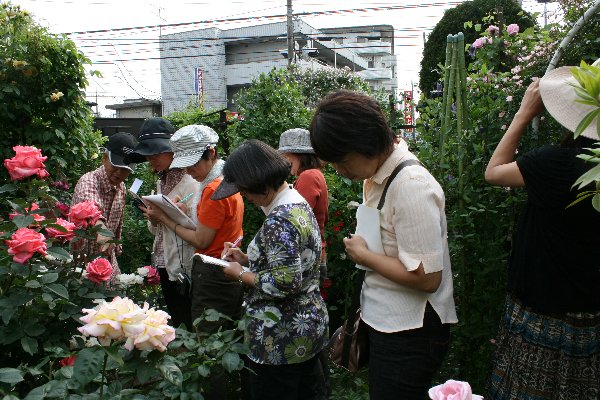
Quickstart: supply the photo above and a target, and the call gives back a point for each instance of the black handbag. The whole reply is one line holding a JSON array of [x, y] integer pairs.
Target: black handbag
[[349, 344]]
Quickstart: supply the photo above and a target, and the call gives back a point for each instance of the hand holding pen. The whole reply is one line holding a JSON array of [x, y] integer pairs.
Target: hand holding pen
[[231, 252], [186, 198]]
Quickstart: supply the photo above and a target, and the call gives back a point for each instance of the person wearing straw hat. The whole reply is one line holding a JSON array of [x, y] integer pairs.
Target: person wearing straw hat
[[219, 221], [548, 344], [104, 186], [170, 255]]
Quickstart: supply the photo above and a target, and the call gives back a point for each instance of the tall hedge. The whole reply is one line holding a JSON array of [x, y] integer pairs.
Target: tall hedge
[[453, 21]]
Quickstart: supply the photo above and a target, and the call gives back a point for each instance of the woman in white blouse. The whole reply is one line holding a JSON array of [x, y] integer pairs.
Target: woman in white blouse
[[407, 295]]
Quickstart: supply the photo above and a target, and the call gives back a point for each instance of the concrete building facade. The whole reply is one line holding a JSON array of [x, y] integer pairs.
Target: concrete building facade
[[209, 66]]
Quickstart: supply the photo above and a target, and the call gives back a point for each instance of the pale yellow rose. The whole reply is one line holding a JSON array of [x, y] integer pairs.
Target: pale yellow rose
[[157, 333], [115, 320], [19, 64], [56, 96]]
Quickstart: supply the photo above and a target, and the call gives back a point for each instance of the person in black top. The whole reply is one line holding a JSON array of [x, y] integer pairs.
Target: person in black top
[[548, 345]]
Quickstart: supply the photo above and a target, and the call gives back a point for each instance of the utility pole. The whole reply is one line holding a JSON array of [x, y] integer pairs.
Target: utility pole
[[290, 33]]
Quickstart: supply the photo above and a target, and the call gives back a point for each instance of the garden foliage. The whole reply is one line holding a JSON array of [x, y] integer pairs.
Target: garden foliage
[[42, 99], [452, 23]]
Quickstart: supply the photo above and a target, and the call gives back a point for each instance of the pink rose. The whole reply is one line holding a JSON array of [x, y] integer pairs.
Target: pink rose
[[478, 43], [512, 29], [84, 214], [24, 243], [27, 161], [59, 234], [36, 217], [493, 29], [152, 278], [453, 390], [99, 270]]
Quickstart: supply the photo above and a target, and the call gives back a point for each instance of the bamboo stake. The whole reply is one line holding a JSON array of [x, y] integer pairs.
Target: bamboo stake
[[449, 96]]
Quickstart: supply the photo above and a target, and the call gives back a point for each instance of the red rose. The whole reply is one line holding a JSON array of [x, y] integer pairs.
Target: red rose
[[59, 234], [84, 214], [24, 243], [27, 161], [62, 208], [36, 217], [152, 278], [67, 361], [99, 270]]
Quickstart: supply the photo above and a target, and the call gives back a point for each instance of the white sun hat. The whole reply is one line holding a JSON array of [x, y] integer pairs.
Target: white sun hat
[[559, 97], [189, 143]]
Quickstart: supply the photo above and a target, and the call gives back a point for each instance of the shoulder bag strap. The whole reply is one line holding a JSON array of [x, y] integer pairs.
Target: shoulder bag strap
[[360, 276]]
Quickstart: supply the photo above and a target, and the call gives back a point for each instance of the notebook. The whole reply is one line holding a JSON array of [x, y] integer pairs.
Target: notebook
[[210, 260]]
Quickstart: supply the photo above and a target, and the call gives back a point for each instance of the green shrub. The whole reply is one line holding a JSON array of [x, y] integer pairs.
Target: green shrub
[[42, 99]]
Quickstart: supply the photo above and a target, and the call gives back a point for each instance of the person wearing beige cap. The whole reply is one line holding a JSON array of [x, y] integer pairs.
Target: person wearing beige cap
[[548, 344], [219, 221]]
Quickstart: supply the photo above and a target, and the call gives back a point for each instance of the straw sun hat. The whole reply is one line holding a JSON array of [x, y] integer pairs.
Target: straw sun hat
[[559, 97]]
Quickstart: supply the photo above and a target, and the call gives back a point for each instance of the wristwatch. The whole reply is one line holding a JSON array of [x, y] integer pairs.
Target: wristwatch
[[244, 270]]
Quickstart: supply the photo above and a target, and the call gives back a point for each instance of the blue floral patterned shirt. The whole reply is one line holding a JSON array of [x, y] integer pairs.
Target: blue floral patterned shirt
[[288, 320]]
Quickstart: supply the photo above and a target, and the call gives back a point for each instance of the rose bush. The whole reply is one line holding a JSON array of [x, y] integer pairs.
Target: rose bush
[[54, 339]]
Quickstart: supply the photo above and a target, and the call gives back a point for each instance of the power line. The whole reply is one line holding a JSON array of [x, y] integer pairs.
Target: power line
[[301, 14]]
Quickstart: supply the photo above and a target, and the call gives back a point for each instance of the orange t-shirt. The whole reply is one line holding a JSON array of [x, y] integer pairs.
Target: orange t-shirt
[[225, 216]]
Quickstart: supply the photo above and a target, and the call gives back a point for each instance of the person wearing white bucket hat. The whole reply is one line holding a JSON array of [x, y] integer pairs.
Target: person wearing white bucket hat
[[219, 221], [548, 344]]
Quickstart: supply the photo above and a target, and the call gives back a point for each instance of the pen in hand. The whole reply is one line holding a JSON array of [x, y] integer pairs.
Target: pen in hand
[[186, 198], [236, 243]]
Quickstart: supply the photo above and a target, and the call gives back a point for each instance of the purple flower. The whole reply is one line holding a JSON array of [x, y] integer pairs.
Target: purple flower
[[512, 29]]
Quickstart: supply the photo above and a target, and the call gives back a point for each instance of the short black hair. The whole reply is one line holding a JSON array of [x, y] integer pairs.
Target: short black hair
[[349, 122], [255, 167]]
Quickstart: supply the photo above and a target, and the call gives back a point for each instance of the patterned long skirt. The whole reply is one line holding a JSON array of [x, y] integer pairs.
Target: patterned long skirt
[[546, 357]]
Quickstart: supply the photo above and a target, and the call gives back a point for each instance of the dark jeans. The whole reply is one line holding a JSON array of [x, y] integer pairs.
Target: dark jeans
[[212, 289], [178, 305], [301, 381], [402, 364]]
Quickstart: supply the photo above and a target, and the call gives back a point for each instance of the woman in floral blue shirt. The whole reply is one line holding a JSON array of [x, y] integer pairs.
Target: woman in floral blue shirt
[[287, 318]]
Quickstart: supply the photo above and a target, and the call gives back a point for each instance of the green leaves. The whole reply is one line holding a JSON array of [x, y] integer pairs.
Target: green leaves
[[88, 365], [10, 375]]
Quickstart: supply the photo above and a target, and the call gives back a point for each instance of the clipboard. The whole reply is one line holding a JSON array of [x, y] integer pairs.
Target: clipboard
[[367, 226], [210, 260], [171, 209]]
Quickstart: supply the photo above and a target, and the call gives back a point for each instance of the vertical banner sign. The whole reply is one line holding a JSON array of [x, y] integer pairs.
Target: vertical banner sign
[[198, 84], [408, 108]]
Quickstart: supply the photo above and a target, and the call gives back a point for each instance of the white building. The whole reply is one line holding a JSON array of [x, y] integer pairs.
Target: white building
[[211, 65]]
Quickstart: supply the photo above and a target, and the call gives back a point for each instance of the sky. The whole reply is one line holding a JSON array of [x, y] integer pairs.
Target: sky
[[120, 37]]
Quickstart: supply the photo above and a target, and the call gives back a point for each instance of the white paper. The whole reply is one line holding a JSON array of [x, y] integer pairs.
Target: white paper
[[367, 226], [211, 260], [136, 185], [171, 209]]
